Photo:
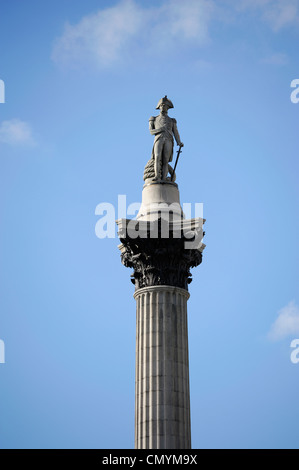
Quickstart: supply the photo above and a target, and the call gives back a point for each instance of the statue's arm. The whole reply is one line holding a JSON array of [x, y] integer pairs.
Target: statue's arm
[[176, 134], [152, 129]]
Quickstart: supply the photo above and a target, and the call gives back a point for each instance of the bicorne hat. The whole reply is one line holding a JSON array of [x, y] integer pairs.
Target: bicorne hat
[[165, 100]]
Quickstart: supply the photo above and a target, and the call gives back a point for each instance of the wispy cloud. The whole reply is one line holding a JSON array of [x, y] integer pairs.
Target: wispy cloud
[[286, 324], [16, 132], [185, 20], [277, 13], [114, 33], [276, 59], [281, 13], [129, 31], [101, 36]]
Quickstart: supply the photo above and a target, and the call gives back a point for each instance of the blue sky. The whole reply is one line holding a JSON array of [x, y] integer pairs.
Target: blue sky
[[81, 81]]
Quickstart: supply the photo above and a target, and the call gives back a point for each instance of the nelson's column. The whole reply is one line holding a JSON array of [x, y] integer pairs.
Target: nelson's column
[[161, 245]]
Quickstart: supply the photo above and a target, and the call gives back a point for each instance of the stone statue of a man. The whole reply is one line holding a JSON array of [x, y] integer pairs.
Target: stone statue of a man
[[163, 128]]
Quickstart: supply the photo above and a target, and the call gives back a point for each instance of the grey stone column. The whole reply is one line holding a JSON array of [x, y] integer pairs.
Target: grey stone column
[[162, 405], [161, 247]]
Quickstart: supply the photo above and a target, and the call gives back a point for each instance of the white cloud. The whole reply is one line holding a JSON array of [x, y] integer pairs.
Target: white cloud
[[101, 36], [114, 33], [186, 20], [286, 324], [281, 13], [276, 59], [129, 31], [278, 13], [16, 132]]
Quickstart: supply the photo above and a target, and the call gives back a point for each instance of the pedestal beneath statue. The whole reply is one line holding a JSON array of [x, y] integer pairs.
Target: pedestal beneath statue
[[160, 199]]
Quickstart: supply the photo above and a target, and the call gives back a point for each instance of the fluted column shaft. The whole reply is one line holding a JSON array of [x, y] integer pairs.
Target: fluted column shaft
[[162, 404]]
